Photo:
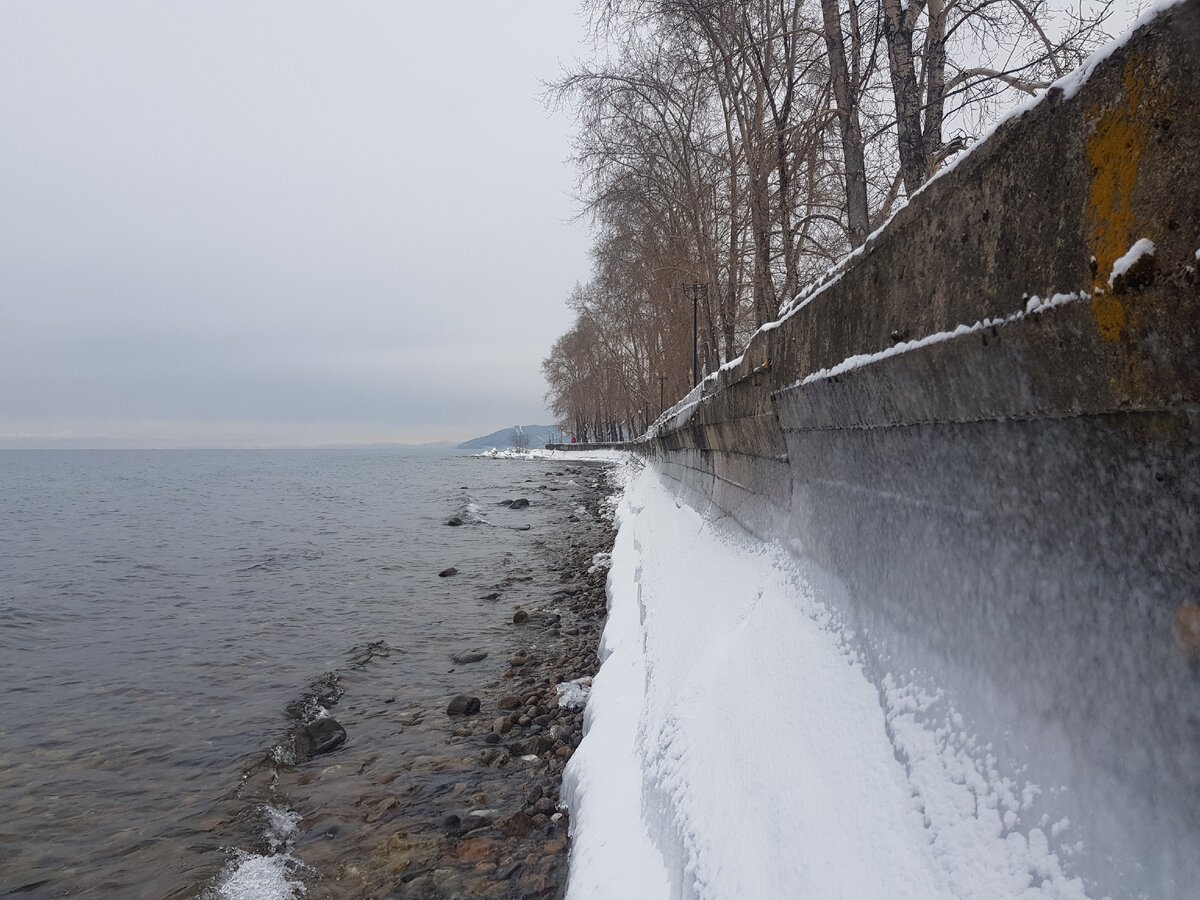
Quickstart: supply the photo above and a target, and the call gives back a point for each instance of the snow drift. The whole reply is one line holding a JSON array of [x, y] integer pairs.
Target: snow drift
[[735, 746]]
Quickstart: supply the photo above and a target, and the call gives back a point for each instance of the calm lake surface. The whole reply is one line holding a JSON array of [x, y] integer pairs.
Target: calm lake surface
[[159, 610]]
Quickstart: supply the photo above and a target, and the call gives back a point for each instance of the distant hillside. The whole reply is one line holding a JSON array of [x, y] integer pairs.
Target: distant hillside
[[539, 436]]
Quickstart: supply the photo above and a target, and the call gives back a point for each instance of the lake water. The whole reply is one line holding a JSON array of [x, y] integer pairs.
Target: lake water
[[160, 610]]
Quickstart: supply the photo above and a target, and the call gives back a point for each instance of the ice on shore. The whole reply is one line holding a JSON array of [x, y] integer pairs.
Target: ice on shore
[[595, 455], [574, 694]]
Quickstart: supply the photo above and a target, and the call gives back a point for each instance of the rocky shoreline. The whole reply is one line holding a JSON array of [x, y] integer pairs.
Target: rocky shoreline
[[483, 819]]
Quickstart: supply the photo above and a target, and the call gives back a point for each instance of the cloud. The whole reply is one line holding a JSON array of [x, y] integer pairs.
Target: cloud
[[297, 217]]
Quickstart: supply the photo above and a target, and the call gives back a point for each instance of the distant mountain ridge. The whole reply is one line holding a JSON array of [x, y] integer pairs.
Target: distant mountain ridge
[[538, 435]]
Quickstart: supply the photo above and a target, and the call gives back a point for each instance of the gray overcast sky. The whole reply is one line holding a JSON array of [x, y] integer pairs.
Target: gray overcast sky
[[257, 223]]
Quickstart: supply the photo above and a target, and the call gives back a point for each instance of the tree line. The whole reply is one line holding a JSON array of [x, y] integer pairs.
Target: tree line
[[744, 145]]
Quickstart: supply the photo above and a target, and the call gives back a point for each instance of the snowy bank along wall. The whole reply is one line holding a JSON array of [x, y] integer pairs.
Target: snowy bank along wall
[[982, 434]]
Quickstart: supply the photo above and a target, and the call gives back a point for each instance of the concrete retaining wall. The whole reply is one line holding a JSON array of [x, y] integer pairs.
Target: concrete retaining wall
[[1012, 513]]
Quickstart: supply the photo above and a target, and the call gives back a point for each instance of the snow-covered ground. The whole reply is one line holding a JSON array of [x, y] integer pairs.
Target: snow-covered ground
[[613, 456], [735, 747]]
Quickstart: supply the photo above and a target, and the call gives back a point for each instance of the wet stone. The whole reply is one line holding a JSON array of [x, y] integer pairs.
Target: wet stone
[[475, 849], [474, 823], [480, 817], [500, 760], [462, 705], [506, 872], [518, 824], [324, 734]]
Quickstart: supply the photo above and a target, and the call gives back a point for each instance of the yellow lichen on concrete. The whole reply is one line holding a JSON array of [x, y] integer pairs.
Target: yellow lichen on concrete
[[1109, 313], [1114, 149], [1187, 630]]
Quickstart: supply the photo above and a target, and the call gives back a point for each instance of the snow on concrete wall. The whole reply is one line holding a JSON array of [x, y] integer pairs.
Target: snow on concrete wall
[[1002, 494]]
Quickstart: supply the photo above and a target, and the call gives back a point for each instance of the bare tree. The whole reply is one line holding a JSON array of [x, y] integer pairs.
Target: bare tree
[[746, 145], [993, 48], [847, 91]]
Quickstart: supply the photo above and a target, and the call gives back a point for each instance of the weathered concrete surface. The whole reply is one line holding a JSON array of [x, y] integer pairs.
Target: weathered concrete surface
[[1013, 514]]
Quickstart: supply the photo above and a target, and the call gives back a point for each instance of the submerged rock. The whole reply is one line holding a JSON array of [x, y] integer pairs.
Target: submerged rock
[[323, 735], [470, 656], [518, 824], [473, 822], [446, 573], [454, 521], [519, 503], [462, 705]]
